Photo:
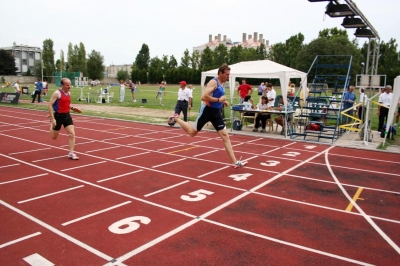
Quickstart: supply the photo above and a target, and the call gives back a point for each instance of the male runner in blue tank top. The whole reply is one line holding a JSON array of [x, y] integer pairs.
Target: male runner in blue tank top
[[210, 111]]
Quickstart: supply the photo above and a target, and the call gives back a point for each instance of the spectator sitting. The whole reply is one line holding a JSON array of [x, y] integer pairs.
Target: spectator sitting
[[263, 117], [279, 119], [248, 103]]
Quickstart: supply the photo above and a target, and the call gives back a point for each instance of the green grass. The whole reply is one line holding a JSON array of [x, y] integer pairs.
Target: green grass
[[147, 92]]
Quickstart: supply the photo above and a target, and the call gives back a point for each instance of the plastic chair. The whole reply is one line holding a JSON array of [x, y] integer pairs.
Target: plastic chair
[[245, 118]]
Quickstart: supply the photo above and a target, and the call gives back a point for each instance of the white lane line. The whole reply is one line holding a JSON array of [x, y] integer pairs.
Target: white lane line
[[209, 173], [37, 260], [29, 151], [19, 239], [50, 194], [106, 179], [16, 180], [201, 154], [366, 217], [288, 243], [164, 189], [108, 148], [90, 164], [357, 169], [52, 158], [58, 232], [132, 155], [155, 166], [10, 165], [95, 213], [358, 158]]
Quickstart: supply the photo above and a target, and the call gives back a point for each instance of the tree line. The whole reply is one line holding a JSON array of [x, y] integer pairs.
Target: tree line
[[294, 52]]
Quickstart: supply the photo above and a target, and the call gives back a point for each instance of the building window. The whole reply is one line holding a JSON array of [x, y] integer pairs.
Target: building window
[[17, 54], [30, 54], [24, 61]]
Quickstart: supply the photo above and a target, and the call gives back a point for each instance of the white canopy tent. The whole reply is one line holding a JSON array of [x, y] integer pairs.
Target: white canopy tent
[[262, 69]]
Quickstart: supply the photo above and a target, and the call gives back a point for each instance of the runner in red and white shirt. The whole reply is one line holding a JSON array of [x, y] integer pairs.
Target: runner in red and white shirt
[[59, 106]]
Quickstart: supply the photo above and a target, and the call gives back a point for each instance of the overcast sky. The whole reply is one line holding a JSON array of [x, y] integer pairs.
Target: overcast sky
[[117, 29]]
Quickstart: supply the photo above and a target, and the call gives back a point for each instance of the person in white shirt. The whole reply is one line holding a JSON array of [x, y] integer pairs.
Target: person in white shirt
[[262, 117], [45, 87], [384, 99], [362, 108], [122, 91], [184, 100], [16, 87], [271, 94]]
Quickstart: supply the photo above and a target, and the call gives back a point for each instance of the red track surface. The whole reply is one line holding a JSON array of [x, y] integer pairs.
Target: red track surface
[[127, 202]]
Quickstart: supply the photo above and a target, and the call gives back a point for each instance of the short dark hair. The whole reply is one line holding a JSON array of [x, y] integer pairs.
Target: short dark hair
[[264, 98], [223, 67]]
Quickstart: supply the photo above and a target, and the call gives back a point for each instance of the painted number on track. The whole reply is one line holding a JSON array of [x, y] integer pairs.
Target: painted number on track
[[240, 177], [128, 225], [309, 147], [271, 163], [292, 153], [199, 195]]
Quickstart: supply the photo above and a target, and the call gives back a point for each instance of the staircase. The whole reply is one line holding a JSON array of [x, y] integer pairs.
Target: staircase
[[331, 75]]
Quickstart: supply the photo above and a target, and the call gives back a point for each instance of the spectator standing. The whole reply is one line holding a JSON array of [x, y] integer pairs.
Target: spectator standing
[[16, 87], [161, 91], [348, 101], [243, 90], [45, 86], [184, 100], [271, 94], [121, 91], [362, 108], [384, 99], [133, 90], [261, 88], [38, 90], [304, 92]]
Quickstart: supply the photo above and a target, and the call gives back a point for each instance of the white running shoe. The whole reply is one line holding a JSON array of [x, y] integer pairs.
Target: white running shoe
[[73, 156], [239, 164]]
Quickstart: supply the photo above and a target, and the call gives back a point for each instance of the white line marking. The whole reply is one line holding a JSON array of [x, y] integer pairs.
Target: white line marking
[[50, 194], [90, 164], [95, 213], [358, 158], [168, 163], [357, 169], [288, 243], [52, 158], [366, 217], [161, 190], [19, 239], [58, 232], [38, 260], [197, 155], [209, 173], [106, 179], [132, 155], [29, 177], [29, 151], [108, 148], [9, 165]]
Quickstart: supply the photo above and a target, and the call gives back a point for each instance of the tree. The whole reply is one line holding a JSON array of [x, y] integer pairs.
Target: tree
[[155, 70], [81, 59], [48, 59], [61, 65], [28, 73], [37, 68], [172, 62], [7, 63], [185, 60], [332, 33], [72, 60], [389, 61], [143, 57], [220, 55], [95, 65], [293, 46], [234, 54], [206, 59], [122, 74], [195, 59], [261, 52]]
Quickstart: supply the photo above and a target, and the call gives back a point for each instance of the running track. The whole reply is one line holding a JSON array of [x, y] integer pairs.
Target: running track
[[143, 194]]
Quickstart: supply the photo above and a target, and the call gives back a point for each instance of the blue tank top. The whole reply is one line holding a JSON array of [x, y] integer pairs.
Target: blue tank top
[[217, 93]]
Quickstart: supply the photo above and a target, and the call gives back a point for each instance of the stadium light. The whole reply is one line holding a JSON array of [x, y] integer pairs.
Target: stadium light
[[364, 33], [338, 10], [352, 22]]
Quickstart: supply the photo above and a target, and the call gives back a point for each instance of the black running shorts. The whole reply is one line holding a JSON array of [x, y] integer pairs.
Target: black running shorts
[[62, 120]]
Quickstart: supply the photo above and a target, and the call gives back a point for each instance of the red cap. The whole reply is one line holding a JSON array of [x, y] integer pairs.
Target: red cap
[[183, 83]]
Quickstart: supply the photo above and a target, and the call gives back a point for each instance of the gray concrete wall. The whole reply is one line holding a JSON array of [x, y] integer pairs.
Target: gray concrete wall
[[21, 79]]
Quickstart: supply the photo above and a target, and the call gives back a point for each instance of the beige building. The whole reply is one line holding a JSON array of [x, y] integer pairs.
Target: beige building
[[112, 70], [25, 57], [248, 41]]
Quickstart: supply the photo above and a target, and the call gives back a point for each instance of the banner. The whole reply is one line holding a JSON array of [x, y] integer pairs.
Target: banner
[[6, 97]]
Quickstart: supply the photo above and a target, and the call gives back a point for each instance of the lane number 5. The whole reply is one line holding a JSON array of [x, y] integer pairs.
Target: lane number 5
[[199, 195]]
